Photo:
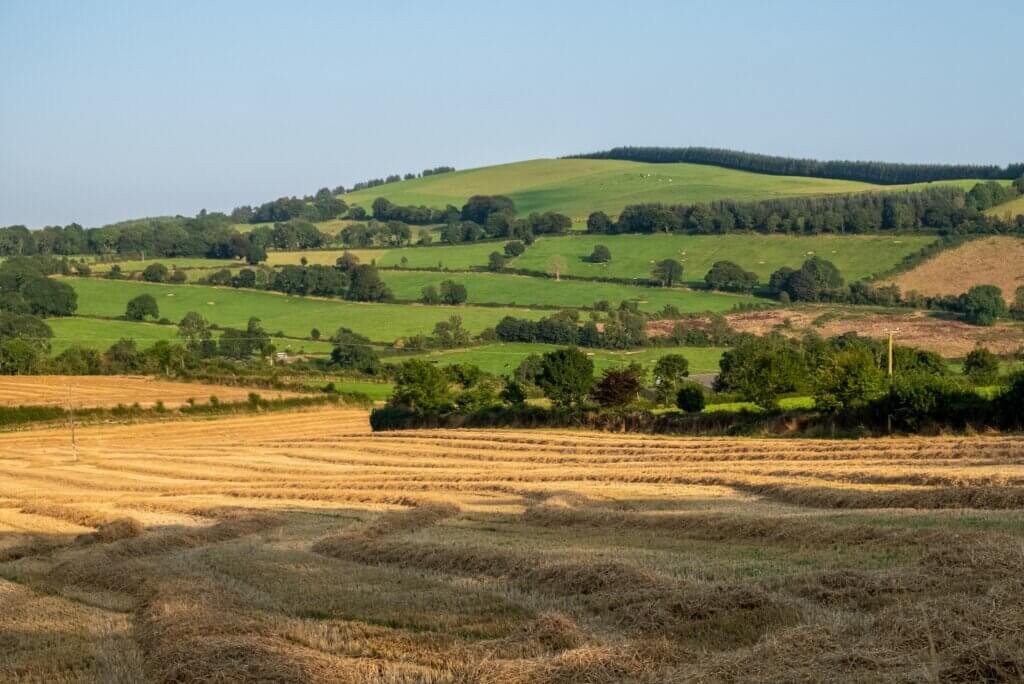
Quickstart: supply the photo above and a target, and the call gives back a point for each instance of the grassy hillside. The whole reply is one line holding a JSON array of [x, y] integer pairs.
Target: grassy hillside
[[633, 256], [1007, 209], [503, 358], [492, 288], [100, 333], [579, 186], [291, 315]]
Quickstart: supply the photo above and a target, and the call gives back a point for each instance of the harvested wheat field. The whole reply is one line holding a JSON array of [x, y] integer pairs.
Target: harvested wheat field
[[942, 333], [995, 261], [111, 390], [301, 547]]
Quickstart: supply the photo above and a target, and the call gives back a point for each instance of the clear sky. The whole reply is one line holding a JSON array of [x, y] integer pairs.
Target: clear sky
[[114, 109]]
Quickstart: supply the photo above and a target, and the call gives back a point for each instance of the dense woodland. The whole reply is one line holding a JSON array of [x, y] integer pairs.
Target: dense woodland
[[940, 210], [885, 173]]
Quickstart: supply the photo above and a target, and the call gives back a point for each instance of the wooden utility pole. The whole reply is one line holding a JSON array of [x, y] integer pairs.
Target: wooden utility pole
[[892, 332]]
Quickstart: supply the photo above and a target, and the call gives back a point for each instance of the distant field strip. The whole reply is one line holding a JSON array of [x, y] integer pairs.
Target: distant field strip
[[100, 333], [503, 358], [633, 256], [493, 288], [290, 315], [300, 547], [76, 391], [577, 187]]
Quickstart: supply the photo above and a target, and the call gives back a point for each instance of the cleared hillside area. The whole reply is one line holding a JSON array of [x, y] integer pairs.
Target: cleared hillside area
[[77, 391], [299, 547], [577, 187], [995, 261]]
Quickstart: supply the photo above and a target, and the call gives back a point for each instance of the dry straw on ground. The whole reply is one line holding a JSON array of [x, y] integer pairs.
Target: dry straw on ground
[[301, 547]]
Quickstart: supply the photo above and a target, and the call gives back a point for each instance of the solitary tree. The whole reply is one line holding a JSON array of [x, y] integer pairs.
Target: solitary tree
[[600, 255], [453, 292], [690, 397], [430, 295], [140, 307], [557, 266], [155, 273], [670, 372], [566, 376], [668, 271]]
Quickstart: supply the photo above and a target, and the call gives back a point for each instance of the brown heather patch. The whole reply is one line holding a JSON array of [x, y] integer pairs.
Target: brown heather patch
[[302, 547]]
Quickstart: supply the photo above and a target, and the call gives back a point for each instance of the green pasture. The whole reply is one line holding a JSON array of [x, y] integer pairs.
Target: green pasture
[[294, 316], [633, 256], [1007, 209], [501, 288], [502, 358], [131, 265], [577, 187], [99, 333], [456, 257]]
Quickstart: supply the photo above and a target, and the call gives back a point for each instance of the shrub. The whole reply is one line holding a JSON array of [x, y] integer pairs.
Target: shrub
[[514, 249], [430, 295], [453, 292], [983, 304], [421, 386], [690, 397], [981, 366], [496, 261], [140, 307], [178, 277], [600, 255], [155, 273], [847, 380]]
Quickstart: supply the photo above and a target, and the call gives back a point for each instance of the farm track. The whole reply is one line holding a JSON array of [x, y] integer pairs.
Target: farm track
[[302, 547]]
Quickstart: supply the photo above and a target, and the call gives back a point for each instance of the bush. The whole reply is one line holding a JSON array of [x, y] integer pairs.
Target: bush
[[983, 304], [600, 255], [155, 273], [982, 367], [690, 397], [178, 277], [430, 295], [453, 292], [140, 307], [496, 261], [421, 386], [514, 249], [848, 379]]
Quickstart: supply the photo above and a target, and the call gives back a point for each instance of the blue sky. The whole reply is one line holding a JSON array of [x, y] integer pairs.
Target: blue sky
[[111, 110]]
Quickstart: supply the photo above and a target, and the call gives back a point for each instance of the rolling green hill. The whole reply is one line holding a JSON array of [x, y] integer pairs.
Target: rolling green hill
[[578, 187]]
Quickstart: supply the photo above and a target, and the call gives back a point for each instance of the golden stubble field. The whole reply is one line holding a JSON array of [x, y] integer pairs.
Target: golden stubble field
[[76, 391], [302, 547]]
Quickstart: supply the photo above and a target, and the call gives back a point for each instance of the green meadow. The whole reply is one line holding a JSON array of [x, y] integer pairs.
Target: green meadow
[[577, 187], [100, 333], [501, 288], [293, 316], [456, 257], [502, 358], [633, 256]]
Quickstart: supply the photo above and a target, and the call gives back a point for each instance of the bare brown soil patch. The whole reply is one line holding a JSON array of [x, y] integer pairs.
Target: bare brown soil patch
[[940, 333], [301, 547], [995, 261], [81, 391]]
